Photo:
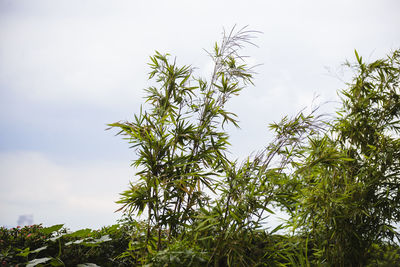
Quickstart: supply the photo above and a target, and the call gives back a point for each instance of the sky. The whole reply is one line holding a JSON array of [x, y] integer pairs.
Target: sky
[[67, 68]]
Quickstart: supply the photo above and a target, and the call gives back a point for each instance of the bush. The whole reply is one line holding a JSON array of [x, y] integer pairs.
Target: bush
[[57, 246]]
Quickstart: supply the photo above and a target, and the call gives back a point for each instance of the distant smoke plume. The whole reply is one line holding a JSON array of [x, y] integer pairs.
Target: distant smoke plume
[[26, 219]]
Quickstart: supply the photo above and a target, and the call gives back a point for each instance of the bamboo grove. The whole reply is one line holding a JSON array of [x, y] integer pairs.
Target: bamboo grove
[[337, 177]]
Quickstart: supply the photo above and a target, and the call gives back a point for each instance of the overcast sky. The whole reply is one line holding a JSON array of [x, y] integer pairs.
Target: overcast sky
[[67, 68]]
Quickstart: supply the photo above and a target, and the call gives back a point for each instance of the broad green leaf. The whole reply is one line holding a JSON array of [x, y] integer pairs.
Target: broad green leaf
[[39, 249], [35, 262], [51, 229], [80, 233]]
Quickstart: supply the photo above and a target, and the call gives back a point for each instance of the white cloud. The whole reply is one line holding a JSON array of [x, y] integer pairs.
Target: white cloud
[[85, 62], [69, 67]]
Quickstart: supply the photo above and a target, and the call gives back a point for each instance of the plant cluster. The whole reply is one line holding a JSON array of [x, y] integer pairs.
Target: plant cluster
[[338, 179], [56, 246]]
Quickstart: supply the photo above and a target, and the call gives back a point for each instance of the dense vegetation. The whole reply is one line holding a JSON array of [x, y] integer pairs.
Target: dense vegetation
[[337, 177]]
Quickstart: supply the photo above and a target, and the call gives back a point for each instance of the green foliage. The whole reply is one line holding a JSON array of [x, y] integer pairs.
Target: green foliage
[[384, 254], [55, 246], [347, 174], [180, 141], [17, 243], [336, 177]]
